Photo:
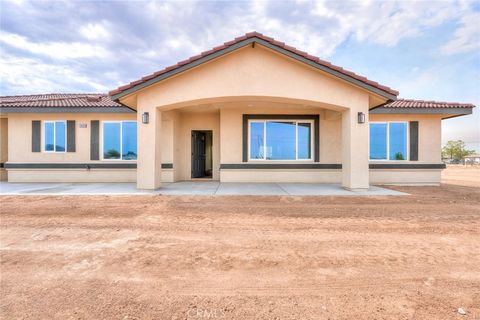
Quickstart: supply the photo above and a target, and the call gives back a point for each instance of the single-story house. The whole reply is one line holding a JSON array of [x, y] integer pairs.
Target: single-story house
[[252, 109]]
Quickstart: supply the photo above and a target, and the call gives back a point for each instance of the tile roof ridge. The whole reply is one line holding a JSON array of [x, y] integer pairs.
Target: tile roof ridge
[[270, 40]]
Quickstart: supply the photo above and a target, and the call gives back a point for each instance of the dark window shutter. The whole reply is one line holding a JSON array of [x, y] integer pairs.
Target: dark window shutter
[[413, 140], [36, 135], [94, 140], [70, 135]]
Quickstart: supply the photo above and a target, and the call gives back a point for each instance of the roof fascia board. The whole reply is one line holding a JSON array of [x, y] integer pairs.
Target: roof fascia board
[[403, 110], [66, 110], [265, 44]]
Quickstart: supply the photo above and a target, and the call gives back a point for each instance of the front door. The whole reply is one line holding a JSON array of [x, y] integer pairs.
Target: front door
[[198, 154]]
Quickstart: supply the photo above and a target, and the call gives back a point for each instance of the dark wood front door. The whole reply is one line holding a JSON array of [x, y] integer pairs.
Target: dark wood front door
[[198, 154]]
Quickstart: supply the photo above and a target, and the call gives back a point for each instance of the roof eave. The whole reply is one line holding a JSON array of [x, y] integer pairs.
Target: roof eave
[[451, 112], [248, 41]]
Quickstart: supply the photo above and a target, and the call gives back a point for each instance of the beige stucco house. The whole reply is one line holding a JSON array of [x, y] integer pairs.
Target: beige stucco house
[[252, 109]]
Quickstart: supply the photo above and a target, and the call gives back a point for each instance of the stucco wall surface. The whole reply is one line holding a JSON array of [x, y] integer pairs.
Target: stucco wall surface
[[20, 150]]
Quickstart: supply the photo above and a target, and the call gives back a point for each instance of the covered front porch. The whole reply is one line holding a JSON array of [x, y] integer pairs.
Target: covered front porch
[[253, 139], [224, 90]]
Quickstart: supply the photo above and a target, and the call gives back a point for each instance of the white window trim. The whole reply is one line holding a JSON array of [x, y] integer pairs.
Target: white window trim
[[264, 121], [407, 156], [54, 136], [121, 142]]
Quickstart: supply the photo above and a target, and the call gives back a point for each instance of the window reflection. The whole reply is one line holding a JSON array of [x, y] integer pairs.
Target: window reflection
[[280, 140]]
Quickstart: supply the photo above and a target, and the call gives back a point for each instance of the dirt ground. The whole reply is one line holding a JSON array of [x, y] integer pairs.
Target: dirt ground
[[157, 257], [462, 175]]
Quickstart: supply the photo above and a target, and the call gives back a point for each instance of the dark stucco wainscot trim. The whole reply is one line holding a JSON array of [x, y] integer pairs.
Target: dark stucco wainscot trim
[[76, 165], [71, 166], [316, 129], [407, 166], [267, 166]]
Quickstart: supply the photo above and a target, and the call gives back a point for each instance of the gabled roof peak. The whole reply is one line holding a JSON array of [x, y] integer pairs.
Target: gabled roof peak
[[247, 38]]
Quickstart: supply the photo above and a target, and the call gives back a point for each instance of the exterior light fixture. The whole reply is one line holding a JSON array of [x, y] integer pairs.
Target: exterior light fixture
[[145, 117], [361, 117]]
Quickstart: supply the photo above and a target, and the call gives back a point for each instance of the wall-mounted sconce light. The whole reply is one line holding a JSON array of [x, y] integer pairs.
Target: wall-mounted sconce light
[[361, 117], [145, 117]]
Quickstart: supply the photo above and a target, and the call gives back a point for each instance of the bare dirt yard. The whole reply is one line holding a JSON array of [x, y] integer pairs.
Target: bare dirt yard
[[157, 257], [462, 175]]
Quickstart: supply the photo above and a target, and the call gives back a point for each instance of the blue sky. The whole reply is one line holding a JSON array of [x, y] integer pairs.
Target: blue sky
[[427, 50]]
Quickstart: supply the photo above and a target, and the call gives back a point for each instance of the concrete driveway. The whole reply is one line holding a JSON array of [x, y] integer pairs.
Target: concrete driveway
[[190, 188]]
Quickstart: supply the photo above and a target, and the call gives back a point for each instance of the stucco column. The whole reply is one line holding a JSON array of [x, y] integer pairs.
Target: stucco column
[[149, 162], [355, 172]]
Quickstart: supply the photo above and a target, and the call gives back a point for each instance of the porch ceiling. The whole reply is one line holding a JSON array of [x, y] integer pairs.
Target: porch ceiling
[[249, 103]]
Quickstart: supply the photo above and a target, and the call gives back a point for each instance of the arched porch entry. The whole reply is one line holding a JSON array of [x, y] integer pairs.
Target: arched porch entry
[[338, 151]]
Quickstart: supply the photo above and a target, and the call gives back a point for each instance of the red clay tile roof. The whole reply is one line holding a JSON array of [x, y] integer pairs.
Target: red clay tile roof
[[409, 103], [271, 41], [59, 100]]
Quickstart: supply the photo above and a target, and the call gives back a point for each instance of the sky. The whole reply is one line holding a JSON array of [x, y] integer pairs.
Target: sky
[[427, 50]]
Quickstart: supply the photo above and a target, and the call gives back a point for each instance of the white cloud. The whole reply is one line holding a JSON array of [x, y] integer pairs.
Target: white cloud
[[320, 27], [95, 31], [56, 50], [466, 37], [385, 23], [17, 2], [142, 37], [29, 75]]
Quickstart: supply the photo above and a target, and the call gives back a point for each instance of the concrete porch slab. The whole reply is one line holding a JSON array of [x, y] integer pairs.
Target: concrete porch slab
[[205, 188], [250, 189], [190, 188], [15, 188]]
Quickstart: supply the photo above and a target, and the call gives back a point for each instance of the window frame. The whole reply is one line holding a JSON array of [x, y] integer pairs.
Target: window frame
[[121, 140], [297, 121], [407, 154], [44, 135]]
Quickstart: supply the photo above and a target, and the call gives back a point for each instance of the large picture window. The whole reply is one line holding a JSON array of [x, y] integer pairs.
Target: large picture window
[[119, 140], [280, 140], [388, 140], [54, 136]]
